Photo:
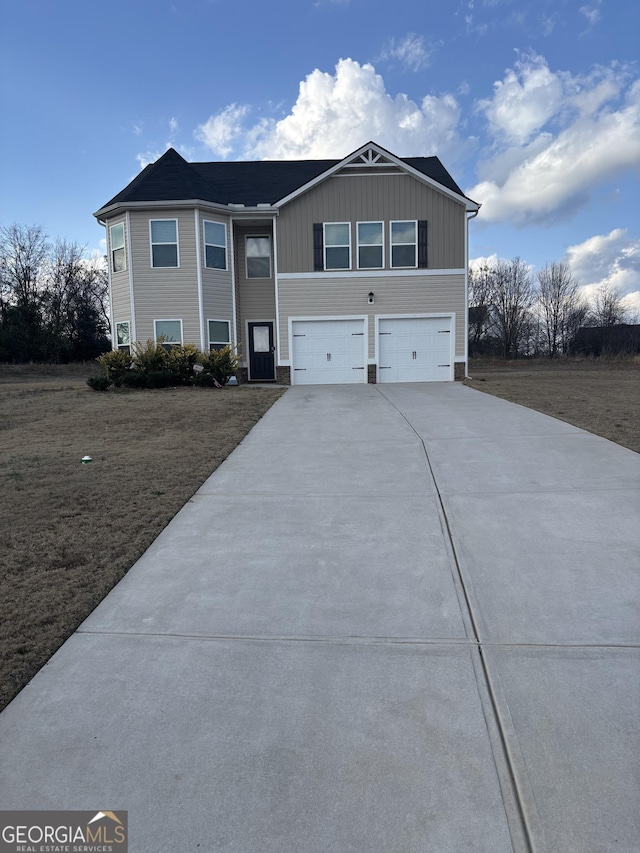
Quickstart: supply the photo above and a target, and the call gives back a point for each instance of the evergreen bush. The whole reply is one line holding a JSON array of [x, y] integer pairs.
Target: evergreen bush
[[116, 365], [99, 383], [154, 365]]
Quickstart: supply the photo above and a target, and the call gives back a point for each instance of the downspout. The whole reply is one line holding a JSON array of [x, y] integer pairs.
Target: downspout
[[276, 330], [199, 279], [466, 292], [133, 330]]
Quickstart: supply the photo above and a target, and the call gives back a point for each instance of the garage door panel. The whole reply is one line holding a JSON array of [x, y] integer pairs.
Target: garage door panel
[[414, 349], [328, 352]]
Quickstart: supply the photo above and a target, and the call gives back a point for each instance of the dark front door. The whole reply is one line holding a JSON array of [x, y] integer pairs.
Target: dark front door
[[261, 353]]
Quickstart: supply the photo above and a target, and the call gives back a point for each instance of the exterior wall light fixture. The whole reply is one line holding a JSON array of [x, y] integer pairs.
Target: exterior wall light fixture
[[372, 297]]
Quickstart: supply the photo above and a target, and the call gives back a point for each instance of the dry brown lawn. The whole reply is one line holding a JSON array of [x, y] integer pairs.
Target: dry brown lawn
[[600, 396], [69, 531]]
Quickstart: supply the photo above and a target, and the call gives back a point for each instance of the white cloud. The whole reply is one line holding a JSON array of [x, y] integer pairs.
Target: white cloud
[[524, 101], [220, 131], [611, 259], [556, 138], [173, 125], [410, 51], [591, 13], [336, 113], [147, 157]]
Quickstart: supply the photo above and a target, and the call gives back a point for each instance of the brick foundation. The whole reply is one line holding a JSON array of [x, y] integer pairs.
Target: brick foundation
[[371, 374], [283, 375], [459, 371]]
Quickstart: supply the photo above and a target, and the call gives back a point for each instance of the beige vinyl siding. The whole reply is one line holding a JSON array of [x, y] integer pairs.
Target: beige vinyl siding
[[257, 296], [169, 293], [364, 198], [217, 285], [348, 296]]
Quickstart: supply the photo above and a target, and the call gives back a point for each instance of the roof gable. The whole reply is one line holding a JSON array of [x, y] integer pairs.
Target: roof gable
[[273, 182], [372, 156]]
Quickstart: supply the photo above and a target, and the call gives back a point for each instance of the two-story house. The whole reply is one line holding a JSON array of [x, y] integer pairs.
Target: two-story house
[[321, 271]]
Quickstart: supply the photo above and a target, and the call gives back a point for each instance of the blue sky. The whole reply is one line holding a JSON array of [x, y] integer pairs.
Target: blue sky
[[533, 106]]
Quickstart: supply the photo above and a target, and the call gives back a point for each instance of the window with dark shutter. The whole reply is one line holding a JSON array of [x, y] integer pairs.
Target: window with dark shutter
[[318, 247], [422, 243]]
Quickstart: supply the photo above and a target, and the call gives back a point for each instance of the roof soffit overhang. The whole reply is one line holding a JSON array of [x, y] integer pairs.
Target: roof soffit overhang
[[235, 210], [366, 155]]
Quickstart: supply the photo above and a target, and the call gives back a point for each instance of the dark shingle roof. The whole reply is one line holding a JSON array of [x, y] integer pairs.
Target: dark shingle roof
[[171, 178]]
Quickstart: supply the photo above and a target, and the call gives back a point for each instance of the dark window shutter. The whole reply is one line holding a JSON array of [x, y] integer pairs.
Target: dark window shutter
[[422, 244], [318, 247]]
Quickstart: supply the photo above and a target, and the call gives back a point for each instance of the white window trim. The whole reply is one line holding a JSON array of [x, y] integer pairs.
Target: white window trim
[[392, 244], [123, 247], [324, 246], [224, 246], [248, 237], [218, 320], [172, 243], [167, 320], [123, 323], [379, 222]]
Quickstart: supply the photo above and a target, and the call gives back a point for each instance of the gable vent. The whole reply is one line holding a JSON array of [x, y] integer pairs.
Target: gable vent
[[370, 157]]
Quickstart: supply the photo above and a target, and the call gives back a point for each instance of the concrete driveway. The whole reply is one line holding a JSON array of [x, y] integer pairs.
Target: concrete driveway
[[397, 618]]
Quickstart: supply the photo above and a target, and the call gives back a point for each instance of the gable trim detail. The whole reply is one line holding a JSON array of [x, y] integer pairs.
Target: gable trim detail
[[367, 150]]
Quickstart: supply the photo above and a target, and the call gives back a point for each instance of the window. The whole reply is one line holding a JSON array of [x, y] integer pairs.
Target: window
[[258, 257], [218, 334], [215, 245], [164, 242], [123, 336], [370, 246], [403, 243], [337, 245], [170, 331], [118, 259]]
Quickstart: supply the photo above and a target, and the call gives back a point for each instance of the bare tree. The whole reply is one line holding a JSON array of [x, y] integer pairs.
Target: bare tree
[[608, 309], [23, 250], [560, 307], [53, 302], [74, 301], [480, 296], [513, 297]]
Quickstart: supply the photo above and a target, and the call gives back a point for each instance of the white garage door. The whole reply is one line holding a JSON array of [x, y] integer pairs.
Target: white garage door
[[415, 349], [330, 352]]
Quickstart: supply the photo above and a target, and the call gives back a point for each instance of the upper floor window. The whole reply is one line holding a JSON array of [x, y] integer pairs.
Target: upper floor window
[[337, 245], [164, 242], [215, 245], [170, 331], [118, 258], [404, 241], [370, 246], [218, 334], [258, 257]]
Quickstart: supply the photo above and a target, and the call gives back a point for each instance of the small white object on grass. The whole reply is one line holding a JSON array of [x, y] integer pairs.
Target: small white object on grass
[[86, 459]]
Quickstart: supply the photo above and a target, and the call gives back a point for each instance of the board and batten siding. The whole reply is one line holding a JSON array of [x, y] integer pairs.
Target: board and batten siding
[[372, 198], [256, 296], [346, 296], [119, 281], [165, 293]]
